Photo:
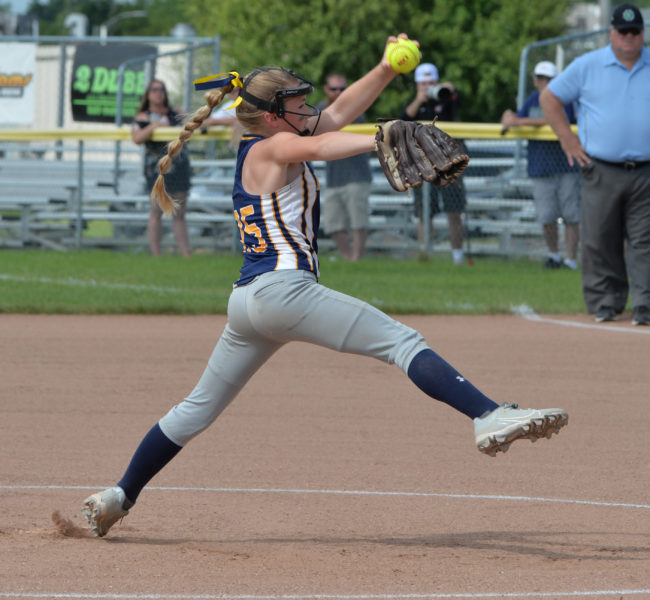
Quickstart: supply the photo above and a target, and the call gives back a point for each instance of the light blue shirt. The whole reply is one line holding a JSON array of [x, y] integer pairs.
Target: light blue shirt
[[613, 104]]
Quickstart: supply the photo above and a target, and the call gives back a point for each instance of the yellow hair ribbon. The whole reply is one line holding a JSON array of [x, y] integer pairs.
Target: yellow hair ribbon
[[236, 103], [218, 80]]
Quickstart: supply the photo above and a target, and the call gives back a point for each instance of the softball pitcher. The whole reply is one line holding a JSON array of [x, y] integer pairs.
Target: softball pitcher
[[277, 298]]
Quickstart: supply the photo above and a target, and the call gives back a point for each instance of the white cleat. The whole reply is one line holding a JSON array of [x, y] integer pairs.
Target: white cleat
[[104, 509], [497, 430]]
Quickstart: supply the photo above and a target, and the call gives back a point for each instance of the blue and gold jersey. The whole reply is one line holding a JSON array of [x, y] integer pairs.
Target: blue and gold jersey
[[278, 230]]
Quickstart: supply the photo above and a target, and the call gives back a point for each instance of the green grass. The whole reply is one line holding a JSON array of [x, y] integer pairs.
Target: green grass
[[102, 281]]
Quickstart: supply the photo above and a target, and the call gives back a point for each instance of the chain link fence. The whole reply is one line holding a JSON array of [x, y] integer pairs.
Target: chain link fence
[[73, 184]]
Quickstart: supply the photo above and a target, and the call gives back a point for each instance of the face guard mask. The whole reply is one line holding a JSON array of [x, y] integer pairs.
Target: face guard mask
[[276, 106]]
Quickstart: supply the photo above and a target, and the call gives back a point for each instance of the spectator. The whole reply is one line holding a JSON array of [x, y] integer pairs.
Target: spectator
[[155, 112], [556, 184], [440, 100], [613, 148], [345, 206]]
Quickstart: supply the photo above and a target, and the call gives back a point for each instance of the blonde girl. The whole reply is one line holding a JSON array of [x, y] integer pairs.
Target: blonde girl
[[277, 297]]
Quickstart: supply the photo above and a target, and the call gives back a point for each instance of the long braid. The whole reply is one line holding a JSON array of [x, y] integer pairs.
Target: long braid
[[159, 193]]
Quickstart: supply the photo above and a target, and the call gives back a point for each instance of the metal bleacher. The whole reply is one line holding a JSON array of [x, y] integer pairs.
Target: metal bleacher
[[46, 202]]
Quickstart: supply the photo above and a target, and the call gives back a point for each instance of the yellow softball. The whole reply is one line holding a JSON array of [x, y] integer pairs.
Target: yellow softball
[[403, 55]]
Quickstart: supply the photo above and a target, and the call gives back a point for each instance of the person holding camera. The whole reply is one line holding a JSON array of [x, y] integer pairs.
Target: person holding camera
[[435, 99]]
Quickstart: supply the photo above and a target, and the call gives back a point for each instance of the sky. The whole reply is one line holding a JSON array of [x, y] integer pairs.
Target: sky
[[19, 6]]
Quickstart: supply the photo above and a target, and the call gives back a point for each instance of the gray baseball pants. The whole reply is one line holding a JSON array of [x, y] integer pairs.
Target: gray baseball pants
[[275, 308], [615, 234]]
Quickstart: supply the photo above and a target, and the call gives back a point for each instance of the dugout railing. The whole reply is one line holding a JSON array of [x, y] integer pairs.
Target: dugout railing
[[58, 191]]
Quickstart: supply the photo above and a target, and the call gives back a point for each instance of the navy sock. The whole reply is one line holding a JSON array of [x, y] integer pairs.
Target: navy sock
[[153, 453], [437, 378]]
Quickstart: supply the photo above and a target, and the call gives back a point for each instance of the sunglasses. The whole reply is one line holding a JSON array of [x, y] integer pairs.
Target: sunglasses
[[156, 88], [336, 89], [626, 30]]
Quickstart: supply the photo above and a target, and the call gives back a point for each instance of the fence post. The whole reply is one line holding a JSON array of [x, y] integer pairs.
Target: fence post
[[80, 195], [189, 86], [426, 218], [61, 100]]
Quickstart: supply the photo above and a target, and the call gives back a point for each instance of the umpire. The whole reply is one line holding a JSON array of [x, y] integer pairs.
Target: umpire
[[611, 86]]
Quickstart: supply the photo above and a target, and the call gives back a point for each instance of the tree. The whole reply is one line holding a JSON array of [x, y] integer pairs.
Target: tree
[[162, 15], [51, 16], [476, 43]]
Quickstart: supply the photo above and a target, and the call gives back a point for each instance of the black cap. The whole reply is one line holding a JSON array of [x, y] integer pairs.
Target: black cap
[[627, 16]]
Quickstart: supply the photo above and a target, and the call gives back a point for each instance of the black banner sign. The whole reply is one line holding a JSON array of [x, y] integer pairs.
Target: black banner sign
[[94, 81]]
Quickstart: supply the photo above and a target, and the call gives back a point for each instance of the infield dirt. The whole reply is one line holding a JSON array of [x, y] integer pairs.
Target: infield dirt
[[330, 474]]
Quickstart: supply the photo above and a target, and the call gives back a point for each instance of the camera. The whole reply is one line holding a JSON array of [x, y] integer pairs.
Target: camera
[[439, 93]]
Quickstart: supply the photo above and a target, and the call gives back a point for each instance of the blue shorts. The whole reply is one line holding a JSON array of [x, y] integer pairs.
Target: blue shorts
[[453, 199]]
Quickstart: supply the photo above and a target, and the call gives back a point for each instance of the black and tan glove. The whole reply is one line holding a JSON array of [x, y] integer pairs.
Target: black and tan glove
[[411, 153]]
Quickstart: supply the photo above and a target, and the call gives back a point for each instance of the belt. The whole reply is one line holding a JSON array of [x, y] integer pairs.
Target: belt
[[628, 165]]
